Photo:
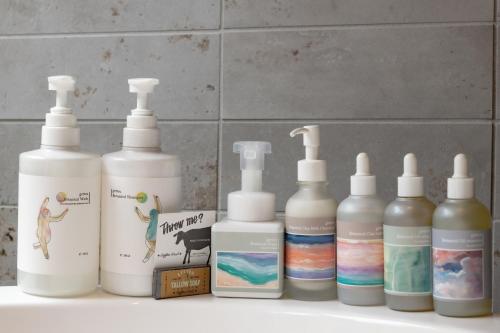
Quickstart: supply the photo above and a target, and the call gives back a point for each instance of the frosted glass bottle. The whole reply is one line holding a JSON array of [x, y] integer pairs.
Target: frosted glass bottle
[[360, 250], [59, 198], [461, 240], [310, 205], [138, 183]]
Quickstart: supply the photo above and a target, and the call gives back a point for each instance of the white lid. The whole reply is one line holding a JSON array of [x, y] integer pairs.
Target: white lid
[[410, 184], [310, 169], [460, 185], [363, 182], [60, 127], [141, 130], [251, 204]]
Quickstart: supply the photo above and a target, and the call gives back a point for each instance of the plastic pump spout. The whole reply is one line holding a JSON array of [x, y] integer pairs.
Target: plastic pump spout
[[363, 182], [252, 154], [310, 169], [142, 130], [410, 184], [62, 84], [460, 185], [143, 87], [60, 127]]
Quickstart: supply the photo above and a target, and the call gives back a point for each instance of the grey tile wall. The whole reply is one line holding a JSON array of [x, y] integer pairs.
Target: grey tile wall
[[272, 13], [496, 267], [381, 76]]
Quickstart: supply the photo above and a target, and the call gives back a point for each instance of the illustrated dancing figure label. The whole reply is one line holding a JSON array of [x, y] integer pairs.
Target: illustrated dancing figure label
[[43, 232], [152, 221]]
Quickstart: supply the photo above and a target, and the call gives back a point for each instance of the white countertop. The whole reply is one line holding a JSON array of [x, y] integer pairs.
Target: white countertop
[[103, 312]]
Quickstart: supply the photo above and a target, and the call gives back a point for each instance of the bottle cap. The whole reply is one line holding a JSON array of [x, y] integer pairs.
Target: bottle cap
[[310, 169], [251, 203], [142, 130], [60, 127], [410, 184], [363, 182], [460, 185]]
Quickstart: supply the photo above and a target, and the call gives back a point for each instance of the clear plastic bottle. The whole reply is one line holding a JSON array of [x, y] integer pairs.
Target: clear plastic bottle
[[360, 251], [407, 244], [461, 240], [139, 182], [310, 228], [59, 189]]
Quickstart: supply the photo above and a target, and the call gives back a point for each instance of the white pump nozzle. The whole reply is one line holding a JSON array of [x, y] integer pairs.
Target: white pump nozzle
[[251, 163], [251, 203], [62, 84], [60, 127], [363, 182], [410, 184], [142, 130], [311, 168], [460, 185], [143, 87]]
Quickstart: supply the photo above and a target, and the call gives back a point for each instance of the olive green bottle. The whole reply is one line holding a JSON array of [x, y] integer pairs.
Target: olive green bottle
[[407, 244], [461, 249]]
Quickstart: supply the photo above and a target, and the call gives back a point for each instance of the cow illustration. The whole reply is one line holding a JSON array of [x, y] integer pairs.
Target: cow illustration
[[152, 221], [43, 232], [194, 239]]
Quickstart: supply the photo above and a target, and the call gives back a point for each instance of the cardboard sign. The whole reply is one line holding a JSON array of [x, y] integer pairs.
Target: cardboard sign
[[183, 239]]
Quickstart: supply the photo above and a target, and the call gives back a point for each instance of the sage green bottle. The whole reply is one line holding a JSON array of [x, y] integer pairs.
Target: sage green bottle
[[461, 248], [407, 244]]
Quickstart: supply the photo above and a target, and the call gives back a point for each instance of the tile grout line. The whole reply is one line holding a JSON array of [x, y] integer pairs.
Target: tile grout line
[[200, 31], [493, 103], [221, 108]]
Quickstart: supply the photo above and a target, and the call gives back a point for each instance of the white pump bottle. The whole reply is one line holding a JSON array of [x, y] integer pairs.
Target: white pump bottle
[[360, 249], [310, 227], [247, 246], [59, 190], [139, 182]]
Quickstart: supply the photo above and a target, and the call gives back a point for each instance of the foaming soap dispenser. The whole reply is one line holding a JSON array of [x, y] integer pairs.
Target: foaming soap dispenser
[[461, 249], [407, 244], [58, 221], [310, 227], [360, 249], [139, 182], [247, 246]]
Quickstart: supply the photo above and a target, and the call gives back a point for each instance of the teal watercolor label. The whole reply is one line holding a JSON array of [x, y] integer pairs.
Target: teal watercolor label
[[407, 260]]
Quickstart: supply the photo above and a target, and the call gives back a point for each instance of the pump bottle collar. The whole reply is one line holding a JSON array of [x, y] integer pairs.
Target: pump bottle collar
[[310, 169]]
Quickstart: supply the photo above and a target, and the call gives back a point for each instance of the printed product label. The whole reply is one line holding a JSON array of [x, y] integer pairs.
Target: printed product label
[[58, 229], [248, 261], [310, 248], [184, 238], [407, 260], [129, 218], [462, 264], [183, 282], [360, 254]]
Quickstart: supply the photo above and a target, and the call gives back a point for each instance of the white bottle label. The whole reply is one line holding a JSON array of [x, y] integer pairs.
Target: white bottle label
[[58, 228], [130, 209]]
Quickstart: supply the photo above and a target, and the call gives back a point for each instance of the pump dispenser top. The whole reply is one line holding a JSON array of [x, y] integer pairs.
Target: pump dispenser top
[[363, 182], [251, 203], [60, 127], [142, 130], [410, 184], [310, 169], [460, 185]]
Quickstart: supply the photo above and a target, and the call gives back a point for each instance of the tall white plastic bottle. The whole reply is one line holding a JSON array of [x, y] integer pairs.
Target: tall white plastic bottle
[[360, 248], [310, 227], [58, 221], [247, 246], [138, 183]]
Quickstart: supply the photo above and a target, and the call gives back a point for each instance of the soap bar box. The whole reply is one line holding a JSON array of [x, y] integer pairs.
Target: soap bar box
[[183, 251]]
